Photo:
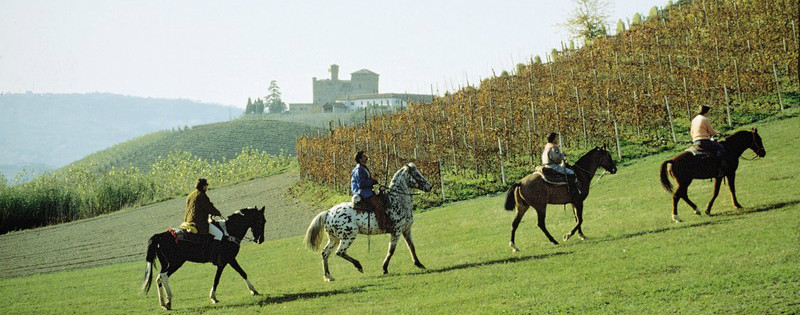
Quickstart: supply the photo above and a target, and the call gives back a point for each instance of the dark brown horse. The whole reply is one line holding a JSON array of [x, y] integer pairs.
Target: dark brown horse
[[686, 167], [533, 191]]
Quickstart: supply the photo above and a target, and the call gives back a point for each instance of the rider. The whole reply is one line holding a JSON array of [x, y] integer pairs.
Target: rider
[[361, 185], [702, 131], [553, 159], [198, 209]]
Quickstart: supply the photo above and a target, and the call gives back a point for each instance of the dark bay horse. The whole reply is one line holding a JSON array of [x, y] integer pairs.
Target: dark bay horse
[[172, 255], [686, 167], [342, 223], [533, 191]]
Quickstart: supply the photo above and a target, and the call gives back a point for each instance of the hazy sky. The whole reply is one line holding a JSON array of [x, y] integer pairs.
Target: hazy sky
[[226, 51]]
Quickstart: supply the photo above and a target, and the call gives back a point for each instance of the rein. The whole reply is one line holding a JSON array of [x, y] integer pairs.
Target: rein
[[393, 190], [758, 148]]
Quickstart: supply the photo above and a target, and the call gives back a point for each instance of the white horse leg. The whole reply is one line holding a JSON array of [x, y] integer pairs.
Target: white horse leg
[[251, 287], [332, 242], [410, 243], [165, 282], [389, 253], [162, 296]]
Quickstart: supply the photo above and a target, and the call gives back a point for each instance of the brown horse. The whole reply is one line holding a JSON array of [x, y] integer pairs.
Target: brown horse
[[533, 191], [686, 167]]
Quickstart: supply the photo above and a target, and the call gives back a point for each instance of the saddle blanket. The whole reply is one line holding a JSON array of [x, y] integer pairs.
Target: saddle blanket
[[550, 176]]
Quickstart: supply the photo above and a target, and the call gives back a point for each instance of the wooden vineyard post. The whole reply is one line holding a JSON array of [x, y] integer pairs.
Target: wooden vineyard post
[[441, 179], [727, 103], [669, 115], [335, 171], [616, 134], [502, 167], [686, 97], [777, 85]]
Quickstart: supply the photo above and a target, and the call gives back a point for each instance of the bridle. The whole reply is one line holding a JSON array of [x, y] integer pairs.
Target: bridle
[[759, 148], [394, 190]]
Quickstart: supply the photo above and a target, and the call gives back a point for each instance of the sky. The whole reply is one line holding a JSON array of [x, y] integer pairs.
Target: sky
[[226, 51]]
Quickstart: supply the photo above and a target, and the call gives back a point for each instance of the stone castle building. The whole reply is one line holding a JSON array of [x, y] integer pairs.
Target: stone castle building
[[330, 90], [334, 95]]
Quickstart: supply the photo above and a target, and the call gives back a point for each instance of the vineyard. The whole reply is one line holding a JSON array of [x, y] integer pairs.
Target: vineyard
[[218, 141], [640, 86]]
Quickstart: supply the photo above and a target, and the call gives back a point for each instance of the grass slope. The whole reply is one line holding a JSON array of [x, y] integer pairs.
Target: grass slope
[[211, 142], [635, 260]]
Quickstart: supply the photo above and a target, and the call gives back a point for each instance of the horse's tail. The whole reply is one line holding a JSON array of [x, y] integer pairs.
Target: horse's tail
[[510, 202], [314, 232], [152, 248], [665, 177]]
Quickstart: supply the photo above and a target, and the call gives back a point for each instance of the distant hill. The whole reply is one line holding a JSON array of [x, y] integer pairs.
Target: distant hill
[[211, 141], [48, 131]]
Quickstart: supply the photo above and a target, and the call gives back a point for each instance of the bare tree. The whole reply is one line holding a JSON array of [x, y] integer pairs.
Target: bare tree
[[588, 20]]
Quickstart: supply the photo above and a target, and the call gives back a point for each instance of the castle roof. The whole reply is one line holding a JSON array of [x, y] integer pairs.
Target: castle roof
[[364, 71]]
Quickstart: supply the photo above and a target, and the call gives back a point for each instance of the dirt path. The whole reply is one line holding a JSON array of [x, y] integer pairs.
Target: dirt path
[[122, 236]]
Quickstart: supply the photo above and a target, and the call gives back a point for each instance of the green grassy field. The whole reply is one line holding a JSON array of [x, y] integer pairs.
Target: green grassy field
[[635, 259], [211, 142]]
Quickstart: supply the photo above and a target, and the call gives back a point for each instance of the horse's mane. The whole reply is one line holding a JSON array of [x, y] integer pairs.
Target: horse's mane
[[586, 156], [735, 137], [397, 174]]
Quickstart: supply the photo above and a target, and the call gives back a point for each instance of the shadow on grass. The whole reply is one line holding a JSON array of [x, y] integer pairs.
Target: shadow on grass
[[722, 218], [268, 299], [678, 226], [761, 208], [492, 262]]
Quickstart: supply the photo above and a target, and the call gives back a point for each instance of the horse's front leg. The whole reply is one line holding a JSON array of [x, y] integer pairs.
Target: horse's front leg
[[410, 243], [235, 265], [732, 185], [390, 252], [213, 294], [717, 184], [578, 212]]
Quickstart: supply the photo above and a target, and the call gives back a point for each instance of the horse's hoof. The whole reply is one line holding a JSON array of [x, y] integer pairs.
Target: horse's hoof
[[386, 272], [214, 301], [566, 237], [166, 308], [738, 206], [583, 237], [676, 219], [420, 266], [255, 293], [697, 212], [329, 278]]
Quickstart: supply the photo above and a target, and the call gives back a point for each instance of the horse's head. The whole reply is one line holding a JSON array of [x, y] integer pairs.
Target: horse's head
[[756, 144], [254, 219], [604, 158], [414, 178]]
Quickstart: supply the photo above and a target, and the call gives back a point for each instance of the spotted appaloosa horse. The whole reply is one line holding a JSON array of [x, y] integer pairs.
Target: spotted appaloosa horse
[[686, 167], [172, 255], [343, 224], [533, 191]]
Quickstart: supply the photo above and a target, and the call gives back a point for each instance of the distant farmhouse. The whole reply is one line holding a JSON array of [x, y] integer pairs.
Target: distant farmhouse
[[334, 95]]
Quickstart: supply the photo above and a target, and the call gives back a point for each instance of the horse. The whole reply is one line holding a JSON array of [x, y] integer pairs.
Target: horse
[[686, 166], [173, 254], [533, 191], [342, 223]]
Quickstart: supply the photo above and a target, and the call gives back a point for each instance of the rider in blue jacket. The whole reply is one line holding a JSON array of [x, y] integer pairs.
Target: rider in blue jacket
[[361, 184]]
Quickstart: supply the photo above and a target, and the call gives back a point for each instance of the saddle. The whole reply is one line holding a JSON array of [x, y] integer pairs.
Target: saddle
[[185, 235], [701, 152], [381, 216], [188, 233], [551, 176]]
